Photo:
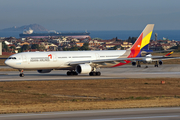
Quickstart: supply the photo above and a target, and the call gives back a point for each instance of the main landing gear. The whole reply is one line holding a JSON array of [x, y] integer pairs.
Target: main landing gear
[[94, 73], [70, 73], [138, 65], [156, 64], [21, 73]]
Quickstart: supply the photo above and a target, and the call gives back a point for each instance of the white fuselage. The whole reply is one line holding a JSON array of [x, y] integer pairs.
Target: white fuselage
[[58, 59]]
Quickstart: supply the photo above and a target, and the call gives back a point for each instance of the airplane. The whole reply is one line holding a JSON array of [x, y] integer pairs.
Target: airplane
[[157, 60], [80, 62]]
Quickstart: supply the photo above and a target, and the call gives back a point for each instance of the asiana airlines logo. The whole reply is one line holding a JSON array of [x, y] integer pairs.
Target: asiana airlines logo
[[50, 56]]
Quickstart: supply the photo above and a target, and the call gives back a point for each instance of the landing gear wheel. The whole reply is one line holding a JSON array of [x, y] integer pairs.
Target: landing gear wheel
[[155, 65], [21, 74], [75, 73], [91, 73], [94, 73], [98, 73], [70, 73], [138, 65]]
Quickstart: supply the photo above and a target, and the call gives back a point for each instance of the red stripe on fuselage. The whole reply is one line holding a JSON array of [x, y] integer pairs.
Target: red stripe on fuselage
[[119, 64]]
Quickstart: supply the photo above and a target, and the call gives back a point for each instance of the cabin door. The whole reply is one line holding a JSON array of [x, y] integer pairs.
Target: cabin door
[[54, 58], [24, 59], [97, 56]]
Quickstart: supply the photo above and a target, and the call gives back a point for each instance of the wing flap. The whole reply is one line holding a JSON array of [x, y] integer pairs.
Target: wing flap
[[165, 58]]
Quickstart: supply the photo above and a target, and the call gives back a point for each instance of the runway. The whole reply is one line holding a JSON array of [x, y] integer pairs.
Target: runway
[[172, 113], [126, 71]]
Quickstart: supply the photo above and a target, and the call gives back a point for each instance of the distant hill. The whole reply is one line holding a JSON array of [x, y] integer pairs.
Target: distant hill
[[34, 27]]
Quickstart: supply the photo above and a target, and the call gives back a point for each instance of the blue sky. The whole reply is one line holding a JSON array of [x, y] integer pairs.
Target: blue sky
[[74, 15]]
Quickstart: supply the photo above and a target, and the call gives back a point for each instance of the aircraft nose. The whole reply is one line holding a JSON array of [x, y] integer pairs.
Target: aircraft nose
[[7, 62]]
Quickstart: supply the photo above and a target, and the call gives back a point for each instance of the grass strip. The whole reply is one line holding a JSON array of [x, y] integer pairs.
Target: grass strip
[[67, 95]]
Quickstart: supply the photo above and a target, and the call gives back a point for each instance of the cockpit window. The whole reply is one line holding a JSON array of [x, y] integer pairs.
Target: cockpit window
[[12, 58]]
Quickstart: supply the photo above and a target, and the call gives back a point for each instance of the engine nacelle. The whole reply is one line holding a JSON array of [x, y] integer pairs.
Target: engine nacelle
[[160, 62], [83, 68], [44, 71], [133, 63], [148, 59]]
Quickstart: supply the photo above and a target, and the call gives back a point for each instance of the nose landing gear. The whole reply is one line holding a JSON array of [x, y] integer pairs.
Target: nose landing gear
[[156, 64], [21, 73]]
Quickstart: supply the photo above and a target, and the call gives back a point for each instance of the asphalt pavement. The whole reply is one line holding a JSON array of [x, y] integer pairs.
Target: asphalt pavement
[[171, 113]]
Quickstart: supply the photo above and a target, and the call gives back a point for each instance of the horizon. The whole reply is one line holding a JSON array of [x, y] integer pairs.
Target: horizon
[[84, 30], [107, 35]]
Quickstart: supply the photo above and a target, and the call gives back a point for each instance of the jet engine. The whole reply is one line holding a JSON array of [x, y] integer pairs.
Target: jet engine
[[133, 63], [160, 62], [44, 71], [83, 68]]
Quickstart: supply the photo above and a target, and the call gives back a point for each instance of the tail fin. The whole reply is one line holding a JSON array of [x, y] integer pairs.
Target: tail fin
[[169, 54], [142, 43]]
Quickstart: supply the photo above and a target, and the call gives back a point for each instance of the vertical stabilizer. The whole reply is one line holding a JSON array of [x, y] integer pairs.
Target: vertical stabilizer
[[142, 43]]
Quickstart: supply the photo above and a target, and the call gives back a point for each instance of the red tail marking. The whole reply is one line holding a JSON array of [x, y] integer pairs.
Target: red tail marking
[[134, 51], [169, 53], [136, 47]]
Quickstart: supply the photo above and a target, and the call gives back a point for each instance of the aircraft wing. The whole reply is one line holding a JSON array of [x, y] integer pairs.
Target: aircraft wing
[[118, 60], [165, 58], [161, 51]]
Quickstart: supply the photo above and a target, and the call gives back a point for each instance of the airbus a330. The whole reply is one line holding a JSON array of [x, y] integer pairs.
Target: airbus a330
[[79, 62]]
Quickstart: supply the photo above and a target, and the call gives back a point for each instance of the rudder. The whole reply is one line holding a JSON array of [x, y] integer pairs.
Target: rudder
[[142, 43]]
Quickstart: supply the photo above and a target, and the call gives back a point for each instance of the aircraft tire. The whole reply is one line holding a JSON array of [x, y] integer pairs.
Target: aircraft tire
[[138, 65], [70, 73], [91, 73], [98, 73], [75, 73], [155, 65], [21, 75], [94, 73]]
